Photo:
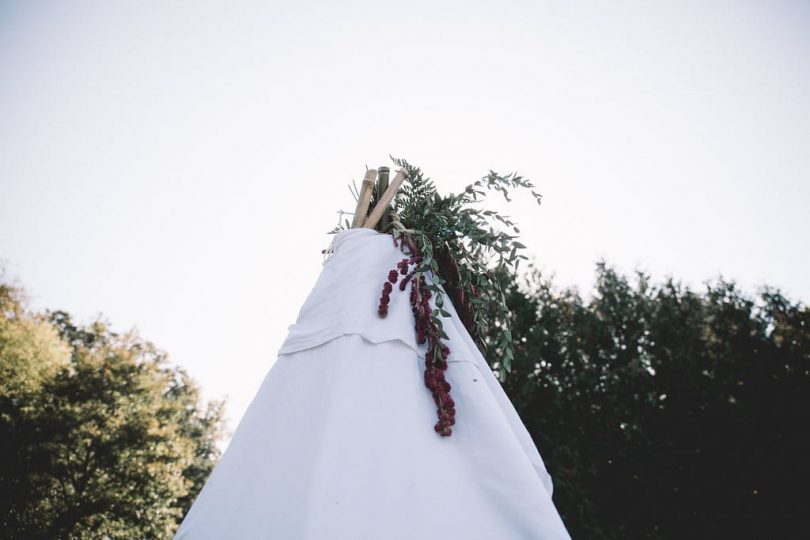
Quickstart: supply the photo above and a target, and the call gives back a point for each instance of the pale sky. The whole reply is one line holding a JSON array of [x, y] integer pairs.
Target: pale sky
[[175, 166]]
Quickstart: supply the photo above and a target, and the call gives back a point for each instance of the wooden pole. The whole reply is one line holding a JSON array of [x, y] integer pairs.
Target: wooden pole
[[384, 201], [365, 198], [382, 185]]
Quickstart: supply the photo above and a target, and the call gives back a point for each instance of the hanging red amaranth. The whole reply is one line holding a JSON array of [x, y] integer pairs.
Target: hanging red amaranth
[[384, 299], [426, 330]]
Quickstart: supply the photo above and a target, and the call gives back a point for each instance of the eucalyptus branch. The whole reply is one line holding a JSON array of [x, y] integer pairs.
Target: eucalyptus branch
[[462, 246]]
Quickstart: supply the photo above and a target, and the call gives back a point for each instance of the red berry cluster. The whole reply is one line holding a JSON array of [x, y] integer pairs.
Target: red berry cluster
[[386, 293], [426, 331]]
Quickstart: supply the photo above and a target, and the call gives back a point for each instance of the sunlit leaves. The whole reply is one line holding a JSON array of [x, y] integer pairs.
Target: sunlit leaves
[[99, 436]]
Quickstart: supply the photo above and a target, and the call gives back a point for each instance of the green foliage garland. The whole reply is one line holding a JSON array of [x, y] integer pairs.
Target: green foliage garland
[[464, 249]]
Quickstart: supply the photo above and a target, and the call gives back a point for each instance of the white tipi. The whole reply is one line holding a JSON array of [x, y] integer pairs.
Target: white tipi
[[339, 441]]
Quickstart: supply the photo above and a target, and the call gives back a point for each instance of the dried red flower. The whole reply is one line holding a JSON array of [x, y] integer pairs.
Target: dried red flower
[[426, 332]]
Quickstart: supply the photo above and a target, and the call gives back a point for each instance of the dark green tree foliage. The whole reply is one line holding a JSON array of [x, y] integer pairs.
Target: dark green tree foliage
[[662, 412], [99, 436]]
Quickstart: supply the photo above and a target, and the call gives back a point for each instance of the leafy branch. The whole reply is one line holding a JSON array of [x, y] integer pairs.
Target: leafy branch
[[465, 249]]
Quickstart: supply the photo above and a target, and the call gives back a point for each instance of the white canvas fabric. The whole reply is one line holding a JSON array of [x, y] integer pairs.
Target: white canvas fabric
[[338, 442]]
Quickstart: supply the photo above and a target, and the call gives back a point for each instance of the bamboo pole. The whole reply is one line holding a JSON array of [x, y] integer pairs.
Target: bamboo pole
[[365, 198], [384, 201]]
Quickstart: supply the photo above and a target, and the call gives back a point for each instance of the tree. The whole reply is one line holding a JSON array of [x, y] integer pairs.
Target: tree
[[662, 412], [99, 436]]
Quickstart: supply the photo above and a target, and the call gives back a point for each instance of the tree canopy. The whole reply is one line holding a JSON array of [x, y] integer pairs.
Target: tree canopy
[[99, 436], [663, 412]]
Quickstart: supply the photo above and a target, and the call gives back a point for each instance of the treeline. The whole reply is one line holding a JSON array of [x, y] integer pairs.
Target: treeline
[[661, 412], [100, 438], [664, 412]]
